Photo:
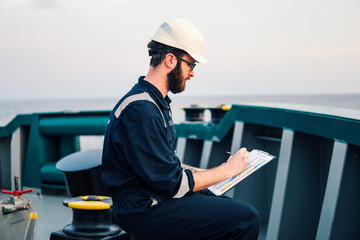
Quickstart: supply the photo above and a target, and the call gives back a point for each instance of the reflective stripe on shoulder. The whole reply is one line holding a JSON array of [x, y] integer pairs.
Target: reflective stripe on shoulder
[[137, 97], [184, 186]]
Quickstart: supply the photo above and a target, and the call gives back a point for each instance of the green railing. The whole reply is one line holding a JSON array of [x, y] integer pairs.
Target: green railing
[[34, 143]]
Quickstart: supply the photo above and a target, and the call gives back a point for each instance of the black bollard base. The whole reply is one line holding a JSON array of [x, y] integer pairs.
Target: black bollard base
[[60, 235]]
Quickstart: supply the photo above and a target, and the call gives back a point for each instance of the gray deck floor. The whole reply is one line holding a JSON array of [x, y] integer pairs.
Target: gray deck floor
[[51, 214]]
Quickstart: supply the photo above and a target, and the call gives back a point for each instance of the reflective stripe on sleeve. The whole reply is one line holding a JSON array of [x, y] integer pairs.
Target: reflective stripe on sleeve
[[184, 186]]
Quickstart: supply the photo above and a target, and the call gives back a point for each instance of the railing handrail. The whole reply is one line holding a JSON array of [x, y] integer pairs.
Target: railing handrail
[[26, 119], [328, 125], [15, 123]]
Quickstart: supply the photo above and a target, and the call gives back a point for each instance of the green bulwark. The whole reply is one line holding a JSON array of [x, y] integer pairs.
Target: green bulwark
[[310, 191], [46, 138]]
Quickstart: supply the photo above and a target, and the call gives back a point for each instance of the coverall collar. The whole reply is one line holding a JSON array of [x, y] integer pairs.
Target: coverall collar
[[165, 102]]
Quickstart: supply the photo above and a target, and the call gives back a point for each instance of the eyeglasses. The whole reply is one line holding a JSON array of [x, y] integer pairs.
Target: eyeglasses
[[190, 64]]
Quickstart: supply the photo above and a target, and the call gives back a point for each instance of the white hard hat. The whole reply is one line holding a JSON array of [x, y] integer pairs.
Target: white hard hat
[[181, 34]]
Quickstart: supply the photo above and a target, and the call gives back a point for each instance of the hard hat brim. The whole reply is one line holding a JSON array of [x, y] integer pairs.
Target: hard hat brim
[[198, 58]]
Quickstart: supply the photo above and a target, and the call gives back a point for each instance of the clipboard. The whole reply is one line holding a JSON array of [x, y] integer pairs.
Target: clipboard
[[257, 159]]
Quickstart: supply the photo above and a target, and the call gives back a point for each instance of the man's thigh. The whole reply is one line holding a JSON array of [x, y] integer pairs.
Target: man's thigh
[[198, 216]]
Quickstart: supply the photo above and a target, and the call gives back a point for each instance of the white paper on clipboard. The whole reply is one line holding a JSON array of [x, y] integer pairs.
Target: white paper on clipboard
[[257, 159]]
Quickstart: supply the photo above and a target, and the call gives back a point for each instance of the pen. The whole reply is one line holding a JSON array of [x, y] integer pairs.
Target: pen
[[232, 154]]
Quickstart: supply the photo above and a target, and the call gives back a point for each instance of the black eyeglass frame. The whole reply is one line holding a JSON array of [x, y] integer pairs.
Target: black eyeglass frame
[[190, 64]]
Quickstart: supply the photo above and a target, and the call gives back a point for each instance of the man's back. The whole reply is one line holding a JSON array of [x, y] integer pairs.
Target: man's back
[[139, 165]]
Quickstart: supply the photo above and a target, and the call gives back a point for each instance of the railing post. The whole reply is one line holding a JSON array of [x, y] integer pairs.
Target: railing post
[[16, 155], [205, 155], [180, 148], [236, 145], [332, 190], [237, 136], [280, 184]]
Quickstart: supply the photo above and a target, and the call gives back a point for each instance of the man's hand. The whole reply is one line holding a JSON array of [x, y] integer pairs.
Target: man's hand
[[237, 162], [233, 166]]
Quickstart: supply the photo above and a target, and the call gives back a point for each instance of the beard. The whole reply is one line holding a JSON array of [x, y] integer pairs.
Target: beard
[[175, 80]]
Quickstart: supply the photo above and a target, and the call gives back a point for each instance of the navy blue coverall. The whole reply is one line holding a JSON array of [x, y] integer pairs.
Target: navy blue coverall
[[152, 194]]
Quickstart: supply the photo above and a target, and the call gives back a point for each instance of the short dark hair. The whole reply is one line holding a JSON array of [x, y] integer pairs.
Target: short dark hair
[[158, 51]]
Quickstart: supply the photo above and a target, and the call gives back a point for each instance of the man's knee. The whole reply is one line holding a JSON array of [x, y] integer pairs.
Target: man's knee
[[255, 219], [247, 227], [254, 215]]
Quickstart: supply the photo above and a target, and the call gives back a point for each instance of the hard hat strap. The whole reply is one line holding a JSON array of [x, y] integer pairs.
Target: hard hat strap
[[160, 52]]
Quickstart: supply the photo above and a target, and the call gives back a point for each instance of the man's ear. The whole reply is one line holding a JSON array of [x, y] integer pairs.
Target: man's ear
[[170, 61]]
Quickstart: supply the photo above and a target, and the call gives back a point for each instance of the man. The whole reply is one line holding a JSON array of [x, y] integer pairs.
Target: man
[[154, 195]]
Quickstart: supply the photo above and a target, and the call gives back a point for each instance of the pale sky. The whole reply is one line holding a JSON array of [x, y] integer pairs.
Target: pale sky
[[97, 48]]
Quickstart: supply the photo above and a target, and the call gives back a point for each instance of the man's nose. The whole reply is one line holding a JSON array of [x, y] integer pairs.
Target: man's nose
[[192, 73]]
